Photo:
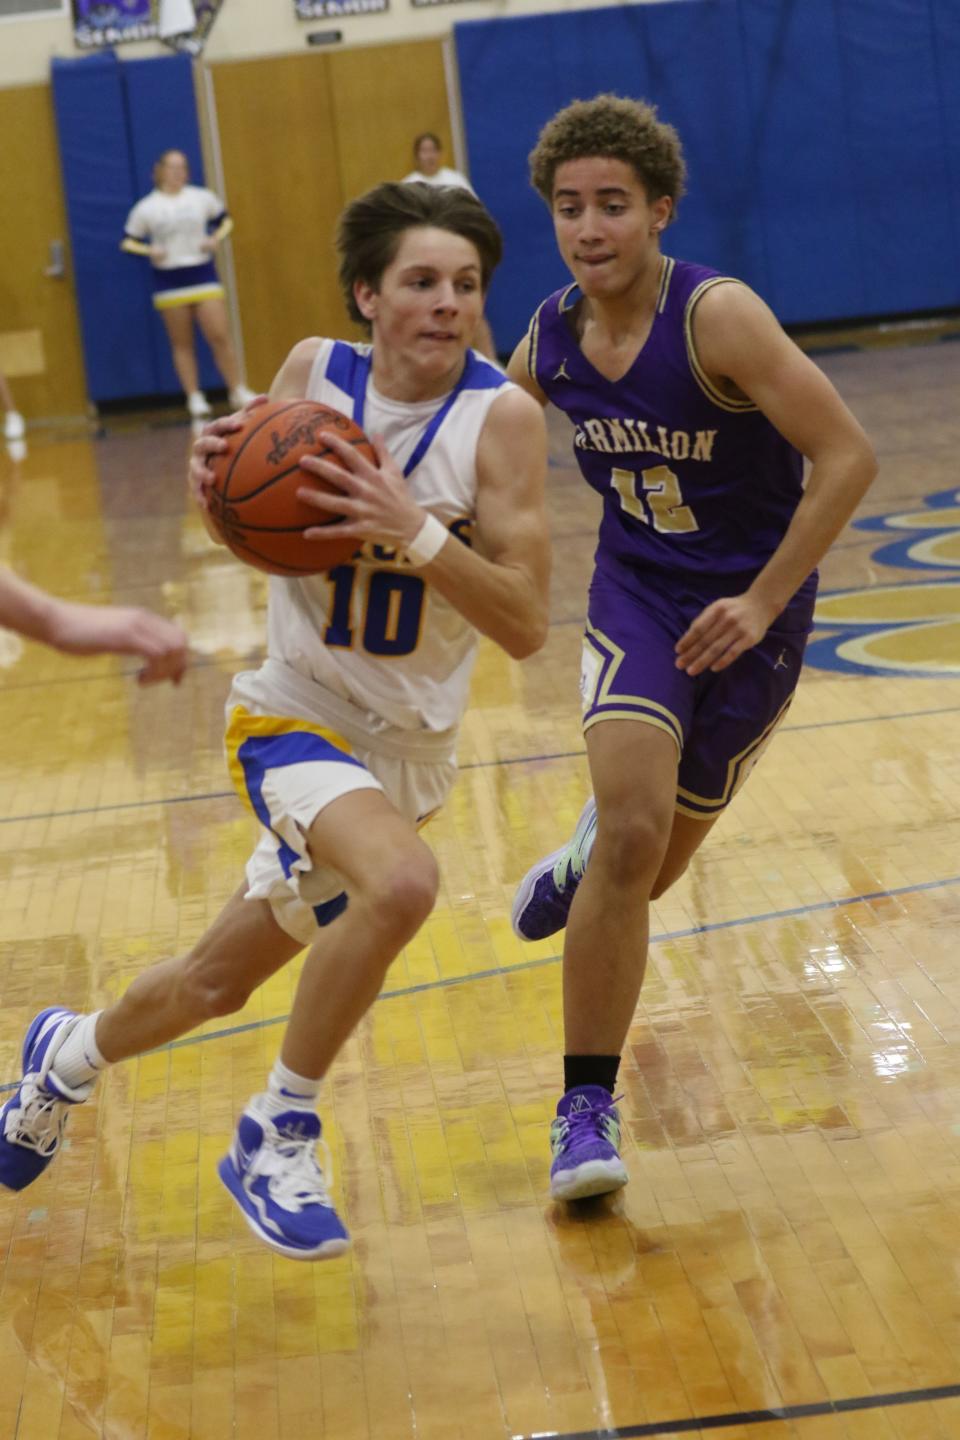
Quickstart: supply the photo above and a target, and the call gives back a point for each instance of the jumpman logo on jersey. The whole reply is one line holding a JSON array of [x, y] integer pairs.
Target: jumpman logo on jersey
[[562, 372], [781, 661]]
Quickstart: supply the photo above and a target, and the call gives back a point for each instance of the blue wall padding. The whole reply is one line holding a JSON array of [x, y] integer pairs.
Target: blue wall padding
[[803, 199], [113, 301], [946, 27], [711, 116], [163, 116], [113, 119], [897, 141], [822, 139]]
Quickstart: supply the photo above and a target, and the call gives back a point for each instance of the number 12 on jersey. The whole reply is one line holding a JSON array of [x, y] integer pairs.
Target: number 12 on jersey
[[661, 501]]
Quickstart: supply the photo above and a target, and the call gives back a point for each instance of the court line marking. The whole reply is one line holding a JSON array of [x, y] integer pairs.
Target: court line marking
[[90, 677], [468, 765], [753, 1417], [501, 971]]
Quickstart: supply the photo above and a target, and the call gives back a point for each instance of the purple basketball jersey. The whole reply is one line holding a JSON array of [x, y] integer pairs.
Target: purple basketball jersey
[[694, 483]]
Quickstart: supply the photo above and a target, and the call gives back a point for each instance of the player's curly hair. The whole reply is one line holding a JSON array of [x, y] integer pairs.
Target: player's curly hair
[[617, 129], [372, 226]]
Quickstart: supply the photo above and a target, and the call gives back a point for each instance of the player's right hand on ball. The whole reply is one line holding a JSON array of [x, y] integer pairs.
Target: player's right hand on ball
[[210, 442]]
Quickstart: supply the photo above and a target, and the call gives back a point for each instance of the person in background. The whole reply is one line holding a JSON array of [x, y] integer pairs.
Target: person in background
[[179, 228], [427, 151], [13, 424]]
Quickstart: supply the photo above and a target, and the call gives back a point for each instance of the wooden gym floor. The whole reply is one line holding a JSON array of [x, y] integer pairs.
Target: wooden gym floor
[[784, 1262]]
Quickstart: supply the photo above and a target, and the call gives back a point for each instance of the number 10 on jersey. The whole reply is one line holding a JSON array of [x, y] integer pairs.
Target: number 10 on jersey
[[392, 615]]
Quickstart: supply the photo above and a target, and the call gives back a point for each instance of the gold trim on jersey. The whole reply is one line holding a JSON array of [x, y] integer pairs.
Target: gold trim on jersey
[[533, 336], [641, 716], [737, 774], [632, 707], [724, 402], [666, 274], [562, 306]]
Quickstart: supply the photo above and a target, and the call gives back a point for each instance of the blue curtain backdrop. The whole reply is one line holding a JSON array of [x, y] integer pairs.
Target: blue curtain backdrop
[[822, 139], [113, 119]]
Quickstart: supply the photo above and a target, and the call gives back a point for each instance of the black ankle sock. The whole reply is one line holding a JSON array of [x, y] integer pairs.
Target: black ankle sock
[[590, 1070]]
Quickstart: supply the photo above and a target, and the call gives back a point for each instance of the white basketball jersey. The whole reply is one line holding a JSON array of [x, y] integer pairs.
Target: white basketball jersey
[[373, 631]]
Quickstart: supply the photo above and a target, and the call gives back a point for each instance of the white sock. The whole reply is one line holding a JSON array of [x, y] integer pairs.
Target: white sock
[[78, 1059], [286, 1090]]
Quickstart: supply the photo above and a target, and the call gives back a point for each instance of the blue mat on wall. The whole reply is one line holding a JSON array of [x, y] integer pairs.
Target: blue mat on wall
[[822, 139], [113, 119]]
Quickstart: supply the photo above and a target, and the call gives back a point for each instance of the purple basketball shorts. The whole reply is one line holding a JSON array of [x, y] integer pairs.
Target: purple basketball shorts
[[722, 722]]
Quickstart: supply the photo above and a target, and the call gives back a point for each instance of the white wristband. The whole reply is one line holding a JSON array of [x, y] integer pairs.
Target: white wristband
[[428, 542]]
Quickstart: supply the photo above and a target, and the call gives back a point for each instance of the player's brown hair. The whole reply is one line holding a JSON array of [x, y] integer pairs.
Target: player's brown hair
[[372, 226], [614, 128]]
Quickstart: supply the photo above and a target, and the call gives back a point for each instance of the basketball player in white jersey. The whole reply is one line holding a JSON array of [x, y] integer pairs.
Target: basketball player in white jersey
[[343, 741]]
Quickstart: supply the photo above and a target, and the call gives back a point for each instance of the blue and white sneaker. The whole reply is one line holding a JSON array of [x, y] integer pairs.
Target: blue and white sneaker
[[584, 1138], [542, 902], [32, 1121], [272, 1172]]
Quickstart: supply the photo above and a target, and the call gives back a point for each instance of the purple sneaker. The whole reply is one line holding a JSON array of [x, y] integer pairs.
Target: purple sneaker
[[32, 1121], [542, 902], [584, 1139]]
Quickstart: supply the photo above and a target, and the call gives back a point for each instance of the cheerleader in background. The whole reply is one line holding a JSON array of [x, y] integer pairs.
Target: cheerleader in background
[[172, 227]]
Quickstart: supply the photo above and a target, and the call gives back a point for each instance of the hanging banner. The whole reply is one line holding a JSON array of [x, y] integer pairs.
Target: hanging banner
[[334, 9], [185, 24], [96, 24]]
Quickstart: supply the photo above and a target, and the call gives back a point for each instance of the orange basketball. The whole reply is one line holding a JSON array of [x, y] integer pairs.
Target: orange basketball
[[254, 503]]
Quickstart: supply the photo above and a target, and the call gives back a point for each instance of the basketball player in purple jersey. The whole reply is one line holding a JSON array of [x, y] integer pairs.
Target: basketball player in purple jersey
[[692, 412]]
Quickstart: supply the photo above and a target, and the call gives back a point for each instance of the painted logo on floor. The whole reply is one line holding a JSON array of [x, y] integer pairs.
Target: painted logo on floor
[[909, 627]]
